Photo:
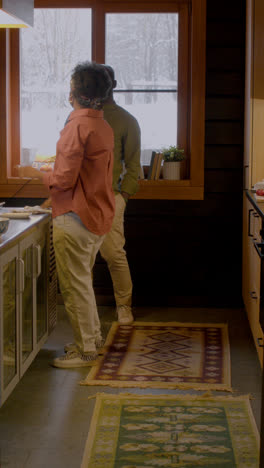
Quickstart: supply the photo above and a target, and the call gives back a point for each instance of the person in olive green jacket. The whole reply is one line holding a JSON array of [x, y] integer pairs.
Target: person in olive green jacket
[[125, 183]]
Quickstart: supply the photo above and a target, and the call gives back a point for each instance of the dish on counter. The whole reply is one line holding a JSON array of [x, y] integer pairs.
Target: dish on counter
[[32, 210], [19, 215], [3, 225]]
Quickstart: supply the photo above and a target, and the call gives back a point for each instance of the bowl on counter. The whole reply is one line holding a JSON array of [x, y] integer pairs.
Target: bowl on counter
[[4, 223]]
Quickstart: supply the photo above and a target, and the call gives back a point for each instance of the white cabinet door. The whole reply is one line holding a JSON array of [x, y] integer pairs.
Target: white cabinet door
[[9, 322], [27, 303], [23, 306], [33, 297], [40, 255]]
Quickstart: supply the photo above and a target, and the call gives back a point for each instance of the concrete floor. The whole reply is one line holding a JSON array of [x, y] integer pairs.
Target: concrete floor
[[45, 421]]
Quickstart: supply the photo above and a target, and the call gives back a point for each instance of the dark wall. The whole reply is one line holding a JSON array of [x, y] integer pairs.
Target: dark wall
[[190, 252]]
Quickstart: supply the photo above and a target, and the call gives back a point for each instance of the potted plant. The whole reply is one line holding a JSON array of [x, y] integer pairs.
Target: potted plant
[[172, 156]]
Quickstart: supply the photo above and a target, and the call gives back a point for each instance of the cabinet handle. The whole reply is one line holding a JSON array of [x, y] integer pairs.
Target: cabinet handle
[[253, 294], [21, 273], [249, 222], [17, 278], [260, 342], [37, 250]]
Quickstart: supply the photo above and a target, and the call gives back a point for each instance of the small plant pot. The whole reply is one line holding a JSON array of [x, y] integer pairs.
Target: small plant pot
[[172, 170]]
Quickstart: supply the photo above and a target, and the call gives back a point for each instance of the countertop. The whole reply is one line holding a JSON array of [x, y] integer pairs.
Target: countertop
[[258, 204], [17, 227]]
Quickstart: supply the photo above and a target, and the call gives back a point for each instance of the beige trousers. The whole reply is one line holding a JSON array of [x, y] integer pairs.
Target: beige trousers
[[75, 251], [112, 250]]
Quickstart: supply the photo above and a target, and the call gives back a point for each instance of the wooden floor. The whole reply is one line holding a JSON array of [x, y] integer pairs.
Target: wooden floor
[[45, 421]]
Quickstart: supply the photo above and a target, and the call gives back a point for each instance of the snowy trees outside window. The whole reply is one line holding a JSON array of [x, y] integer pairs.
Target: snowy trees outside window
[[143, 50], [50, 50], [141, 47]]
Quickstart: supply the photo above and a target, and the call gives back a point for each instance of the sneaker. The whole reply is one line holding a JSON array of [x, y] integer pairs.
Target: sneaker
[[99, 343], [124, 314], [74, 359], [70, 347]]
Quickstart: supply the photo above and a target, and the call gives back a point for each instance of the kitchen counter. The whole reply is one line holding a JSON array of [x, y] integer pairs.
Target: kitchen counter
[[18, 227], [258, 204]]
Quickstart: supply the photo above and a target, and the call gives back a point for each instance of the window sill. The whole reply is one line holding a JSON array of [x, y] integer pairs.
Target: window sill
[[148, 189], [169, 190], [23, 188]]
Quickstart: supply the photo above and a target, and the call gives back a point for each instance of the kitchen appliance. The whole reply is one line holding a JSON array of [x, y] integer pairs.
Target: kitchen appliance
[[258, 242]]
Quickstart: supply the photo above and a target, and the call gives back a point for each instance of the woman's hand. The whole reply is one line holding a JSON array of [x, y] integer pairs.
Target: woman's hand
[[126, 196], [29, 172]]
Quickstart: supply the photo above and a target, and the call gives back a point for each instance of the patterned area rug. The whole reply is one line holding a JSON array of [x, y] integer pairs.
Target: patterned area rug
[[164, 355], [171, 431]]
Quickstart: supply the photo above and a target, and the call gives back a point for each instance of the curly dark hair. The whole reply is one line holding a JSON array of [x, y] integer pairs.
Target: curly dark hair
[[91, 84], [111, 73]]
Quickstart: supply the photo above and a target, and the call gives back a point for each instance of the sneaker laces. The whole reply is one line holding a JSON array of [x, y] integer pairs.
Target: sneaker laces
[[74, 354], [70, 355], [89, 357]]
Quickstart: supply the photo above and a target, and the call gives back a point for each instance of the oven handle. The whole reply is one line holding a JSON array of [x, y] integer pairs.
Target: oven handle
[[249, 222], [259, 246]]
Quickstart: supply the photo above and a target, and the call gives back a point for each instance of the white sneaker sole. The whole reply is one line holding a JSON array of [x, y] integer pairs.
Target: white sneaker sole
[[71, 365]]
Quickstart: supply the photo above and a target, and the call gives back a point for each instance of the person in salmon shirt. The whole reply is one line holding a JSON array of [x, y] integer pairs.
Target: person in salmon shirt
[[83, 206]]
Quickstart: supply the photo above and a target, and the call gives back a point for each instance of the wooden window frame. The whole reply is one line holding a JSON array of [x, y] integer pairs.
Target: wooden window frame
[[191, 96]]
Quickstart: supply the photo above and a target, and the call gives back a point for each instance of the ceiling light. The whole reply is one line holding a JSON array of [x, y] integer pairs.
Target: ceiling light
[[14, 14]]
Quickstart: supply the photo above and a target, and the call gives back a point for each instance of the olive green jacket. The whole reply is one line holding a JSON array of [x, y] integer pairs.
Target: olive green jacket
[[127, 148]]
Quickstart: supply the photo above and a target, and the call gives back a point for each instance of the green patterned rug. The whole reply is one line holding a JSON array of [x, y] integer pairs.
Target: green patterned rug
[[165, 355], [134, 431]]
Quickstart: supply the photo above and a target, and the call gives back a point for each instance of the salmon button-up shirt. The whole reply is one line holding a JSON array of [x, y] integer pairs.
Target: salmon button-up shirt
[[81, 181]]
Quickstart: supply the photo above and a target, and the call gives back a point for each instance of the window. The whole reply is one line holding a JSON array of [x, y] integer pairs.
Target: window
[[48, 53], [157, 50], [143, 50]]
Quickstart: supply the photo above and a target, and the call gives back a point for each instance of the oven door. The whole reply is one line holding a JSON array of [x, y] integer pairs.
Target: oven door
[[259, 246]]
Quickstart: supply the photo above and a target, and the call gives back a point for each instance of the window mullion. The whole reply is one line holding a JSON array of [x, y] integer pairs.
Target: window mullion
[[98, 33], [183, 84], [4, 104], [14, 100], [197, 117]]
